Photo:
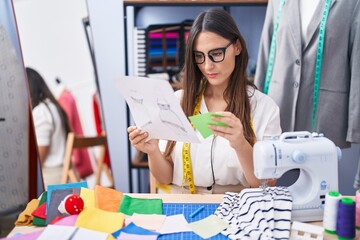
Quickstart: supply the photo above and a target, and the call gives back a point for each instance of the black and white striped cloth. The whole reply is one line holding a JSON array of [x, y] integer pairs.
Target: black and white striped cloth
[[257, 214]]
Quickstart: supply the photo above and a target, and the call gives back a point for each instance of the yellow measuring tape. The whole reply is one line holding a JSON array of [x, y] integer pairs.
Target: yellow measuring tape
[[187, 169]]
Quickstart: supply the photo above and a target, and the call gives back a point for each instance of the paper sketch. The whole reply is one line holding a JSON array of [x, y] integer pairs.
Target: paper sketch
[[140, 109], [155, 108], [168, 116]]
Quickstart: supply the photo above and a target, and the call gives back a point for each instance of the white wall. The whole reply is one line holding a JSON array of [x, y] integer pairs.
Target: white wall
[[53, 42], [107, 25]]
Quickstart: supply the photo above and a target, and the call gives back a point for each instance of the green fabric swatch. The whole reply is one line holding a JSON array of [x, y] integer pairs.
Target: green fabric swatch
[[40, 221], [130, 205], [201, 122]]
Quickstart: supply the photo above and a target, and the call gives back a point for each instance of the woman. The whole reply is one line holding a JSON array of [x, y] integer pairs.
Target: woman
[[51, 127], [214, 81]]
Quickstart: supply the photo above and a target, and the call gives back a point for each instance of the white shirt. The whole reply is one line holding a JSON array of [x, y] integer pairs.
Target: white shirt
[[227, 170], [50, 132], [307, 9]]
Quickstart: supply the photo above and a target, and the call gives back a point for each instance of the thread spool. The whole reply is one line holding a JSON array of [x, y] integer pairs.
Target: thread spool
[[332, 199], [357, 203], [345, 224]]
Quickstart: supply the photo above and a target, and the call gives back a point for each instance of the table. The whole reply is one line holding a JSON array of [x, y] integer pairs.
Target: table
[[209, 198], [175, 198]]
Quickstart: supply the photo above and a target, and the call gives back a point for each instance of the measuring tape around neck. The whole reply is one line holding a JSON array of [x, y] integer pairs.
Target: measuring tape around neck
[[272, 49], [187, 168], [319, 56]]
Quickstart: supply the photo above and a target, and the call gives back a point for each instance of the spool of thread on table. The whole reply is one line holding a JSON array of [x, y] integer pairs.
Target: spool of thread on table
[[345, 224], [332, 199], [357, 203]]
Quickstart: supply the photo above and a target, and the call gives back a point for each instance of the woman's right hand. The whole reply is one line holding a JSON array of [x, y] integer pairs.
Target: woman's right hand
[[137, 139]]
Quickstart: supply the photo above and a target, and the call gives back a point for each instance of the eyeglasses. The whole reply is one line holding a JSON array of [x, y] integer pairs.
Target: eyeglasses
[[215, 55]]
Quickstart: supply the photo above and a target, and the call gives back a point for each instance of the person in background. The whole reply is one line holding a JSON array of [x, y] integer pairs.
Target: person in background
[[51, 127], [214, 80]]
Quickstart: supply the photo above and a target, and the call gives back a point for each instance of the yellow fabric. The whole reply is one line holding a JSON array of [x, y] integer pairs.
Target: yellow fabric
[[25, 218], [110, 237], [107, 199], [88, 196], [100, 220]]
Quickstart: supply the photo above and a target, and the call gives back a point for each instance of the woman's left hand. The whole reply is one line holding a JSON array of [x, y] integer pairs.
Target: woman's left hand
[[233, 132]]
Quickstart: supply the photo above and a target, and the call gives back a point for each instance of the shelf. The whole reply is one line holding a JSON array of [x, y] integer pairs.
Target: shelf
[[189, 2]]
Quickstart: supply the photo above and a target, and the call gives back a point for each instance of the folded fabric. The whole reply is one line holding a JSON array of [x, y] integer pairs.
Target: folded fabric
[[67, 221], [131, 205], [25, 236], [88, 195], [25, 218], [257, 214], [151, 222], [134, 229], [37, 221], [129, 236], [209, 226], [83, 233], [100, 220], [107, 199], [57, 232], [74, 185], [175, 224], [58, 196], [40, 211]]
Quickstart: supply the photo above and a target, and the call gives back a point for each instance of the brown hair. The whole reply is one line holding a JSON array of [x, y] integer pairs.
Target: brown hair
[[236, 94], [39, 92]]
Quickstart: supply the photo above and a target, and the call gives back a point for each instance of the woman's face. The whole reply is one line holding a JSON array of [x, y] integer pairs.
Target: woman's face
[[214, 46]]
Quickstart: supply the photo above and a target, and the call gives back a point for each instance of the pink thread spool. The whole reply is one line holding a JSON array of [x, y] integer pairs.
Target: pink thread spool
[[357, 203]]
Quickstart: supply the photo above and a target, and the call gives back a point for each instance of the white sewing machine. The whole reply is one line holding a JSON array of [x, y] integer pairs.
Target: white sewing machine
[[315, 156]]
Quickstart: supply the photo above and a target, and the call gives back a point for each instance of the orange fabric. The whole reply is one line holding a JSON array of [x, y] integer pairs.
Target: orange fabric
[[107, 199]]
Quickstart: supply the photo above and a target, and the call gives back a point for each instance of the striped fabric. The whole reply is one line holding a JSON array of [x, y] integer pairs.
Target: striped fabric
[[255, 215]]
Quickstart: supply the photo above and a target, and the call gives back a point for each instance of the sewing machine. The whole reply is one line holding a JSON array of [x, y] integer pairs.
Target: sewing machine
[[315, 156]]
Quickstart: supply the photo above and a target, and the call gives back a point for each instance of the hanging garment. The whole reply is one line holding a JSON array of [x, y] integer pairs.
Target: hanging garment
[[81, 158], [99, 124], [293, 72]]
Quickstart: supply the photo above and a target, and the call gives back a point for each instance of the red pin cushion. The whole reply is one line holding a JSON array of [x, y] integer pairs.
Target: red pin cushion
[[72, 204]]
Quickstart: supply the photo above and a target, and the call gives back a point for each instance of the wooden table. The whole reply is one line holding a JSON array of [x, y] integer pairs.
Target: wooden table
[[175, 198]]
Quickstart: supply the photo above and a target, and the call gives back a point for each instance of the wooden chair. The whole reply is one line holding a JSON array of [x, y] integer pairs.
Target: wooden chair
[[74, 142]]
